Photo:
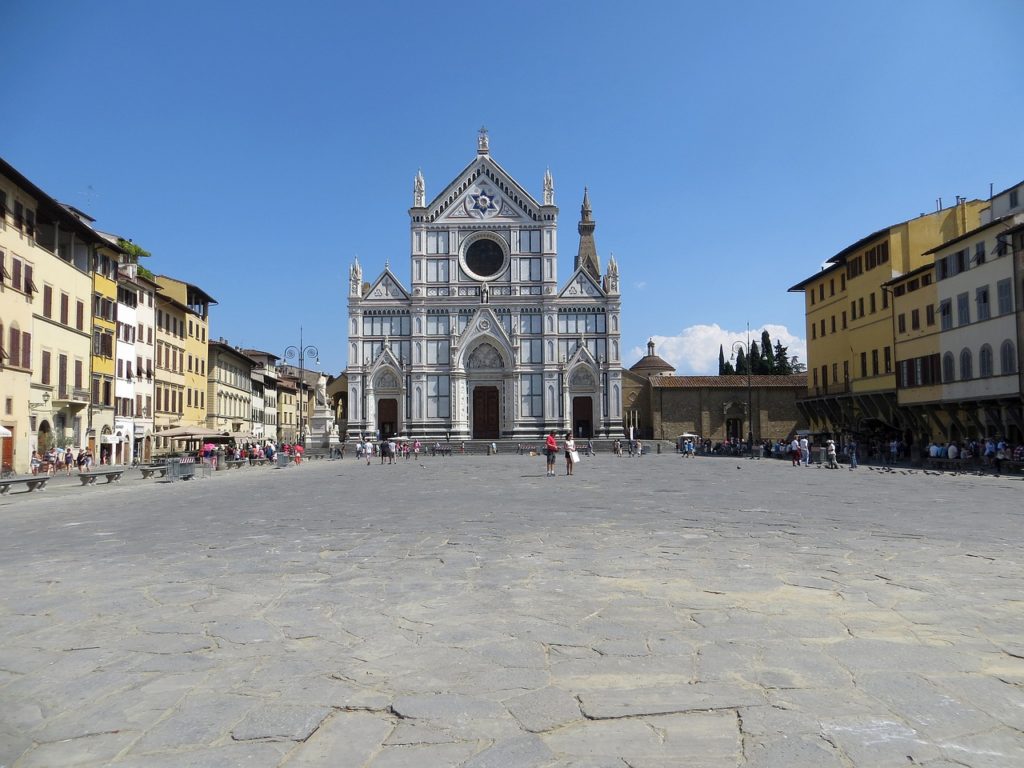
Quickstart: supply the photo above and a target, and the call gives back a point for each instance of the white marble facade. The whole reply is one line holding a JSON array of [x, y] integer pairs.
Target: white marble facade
[[483, 344]]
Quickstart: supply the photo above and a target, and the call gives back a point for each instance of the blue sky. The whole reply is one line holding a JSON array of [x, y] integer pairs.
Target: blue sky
[[255, 148]]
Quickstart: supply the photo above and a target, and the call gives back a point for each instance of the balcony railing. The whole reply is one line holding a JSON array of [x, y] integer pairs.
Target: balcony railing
[[72, 395]]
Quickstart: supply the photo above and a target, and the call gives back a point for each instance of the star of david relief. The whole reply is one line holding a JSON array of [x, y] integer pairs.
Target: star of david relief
[[581, 378], [485, 356], [483, 201]]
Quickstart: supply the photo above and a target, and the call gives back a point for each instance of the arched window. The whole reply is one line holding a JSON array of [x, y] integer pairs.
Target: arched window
[[948, 368], [1007, 358], [966, 369], [985, 361]]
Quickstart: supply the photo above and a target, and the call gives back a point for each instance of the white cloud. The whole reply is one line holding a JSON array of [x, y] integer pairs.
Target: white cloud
[[641, 285], [694, 350]]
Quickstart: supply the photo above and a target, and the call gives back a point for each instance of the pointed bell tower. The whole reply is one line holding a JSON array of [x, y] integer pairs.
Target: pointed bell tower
[[587, 255]]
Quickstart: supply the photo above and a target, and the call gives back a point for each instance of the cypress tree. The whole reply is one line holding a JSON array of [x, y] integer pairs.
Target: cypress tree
[[754, 361], [766, 353], [721, 360], [741, 362]]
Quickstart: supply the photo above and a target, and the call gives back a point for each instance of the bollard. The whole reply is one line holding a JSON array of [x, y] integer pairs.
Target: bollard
[[659, 447]]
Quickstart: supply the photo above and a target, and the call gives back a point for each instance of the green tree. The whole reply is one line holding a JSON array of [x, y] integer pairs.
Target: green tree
[[796, 365], [134, 253], [783, 366], [754, 360], [724, 366], [741, 362], [767, 356]]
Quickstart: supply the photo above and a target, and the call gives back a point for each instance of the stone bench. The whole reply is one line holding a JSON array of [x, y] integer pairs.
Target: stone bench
[[89, 478], [32, 482], [236, 463], [148, 470]]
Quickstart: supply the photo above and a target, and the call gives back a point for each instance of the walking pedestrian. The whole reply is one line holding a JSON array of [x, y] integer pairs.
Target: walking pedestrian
[[830, 450]]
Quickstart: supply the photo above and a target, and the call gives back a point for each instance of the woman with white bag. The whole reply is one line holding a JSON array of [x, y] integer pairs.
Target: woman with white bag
[[571, 457]]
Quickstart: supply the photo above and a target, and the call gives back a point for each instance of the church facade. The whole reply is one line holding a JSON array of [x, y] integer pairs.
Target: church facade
[[483, 343]]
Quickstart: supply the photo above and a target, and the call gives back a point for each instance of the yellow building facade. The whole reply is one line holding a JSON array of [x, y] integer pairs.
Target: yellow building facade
[[195, 338], [916, 334], [104, 362], [46, 251], [287, 410], [851, 382]]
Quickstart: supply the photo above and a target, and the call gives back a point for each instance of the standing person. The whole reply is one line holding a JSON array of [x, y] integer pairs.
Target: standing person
[[805, 451], [794, 452], [550, 449], [639, 449], [853, 454], [570, 449], [830, 449], [69, 460]]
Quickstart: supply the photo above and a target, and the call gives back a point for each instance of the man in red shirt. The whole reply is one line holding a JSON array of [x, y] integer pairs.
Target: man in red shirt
[[551, 449]]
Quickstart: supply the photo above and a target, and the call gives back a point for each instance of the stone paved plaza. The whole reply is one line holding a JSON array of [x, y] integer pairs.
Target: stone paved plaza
[[472, 612]]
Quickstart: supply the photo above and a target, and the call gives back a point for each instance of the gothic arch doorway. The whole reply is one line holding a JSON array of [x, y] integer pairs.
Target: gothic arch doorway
[[583, 391], [485, 369], [387, 390]]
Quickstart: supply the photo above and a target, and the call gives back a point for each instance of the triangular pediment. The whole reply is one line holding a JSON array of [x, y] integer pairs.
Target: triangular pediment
[[582, 356], [386, 288], [581, 284], [385, 361], [485, 327], [483, 192]]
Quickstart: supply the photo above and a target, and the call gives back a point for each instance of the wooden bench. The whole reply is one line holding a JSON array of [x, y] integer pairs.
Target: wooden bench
[[32, 482], [89, 478], [148, 470]]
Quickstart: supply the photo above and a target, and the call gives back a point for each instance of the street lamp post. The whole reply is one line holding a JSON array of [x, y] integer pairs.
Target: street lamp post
[[750, 411], [302, 352]]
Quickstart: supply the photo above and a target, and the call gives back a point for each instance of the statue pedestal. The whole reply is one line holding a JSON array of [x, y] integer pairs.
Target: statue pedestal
[[321, 430]]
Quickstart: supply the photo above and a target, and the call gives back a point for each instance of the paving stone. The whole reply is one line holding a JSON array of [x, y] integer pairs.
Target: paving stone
[[692, 739], [607, 704], [248, 754], [446, 707], [418, 756], [344, 739], [524, 751], [544, 709], [201, 720], [885, 743], [793, 752], [277, 721], [93, 749]]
